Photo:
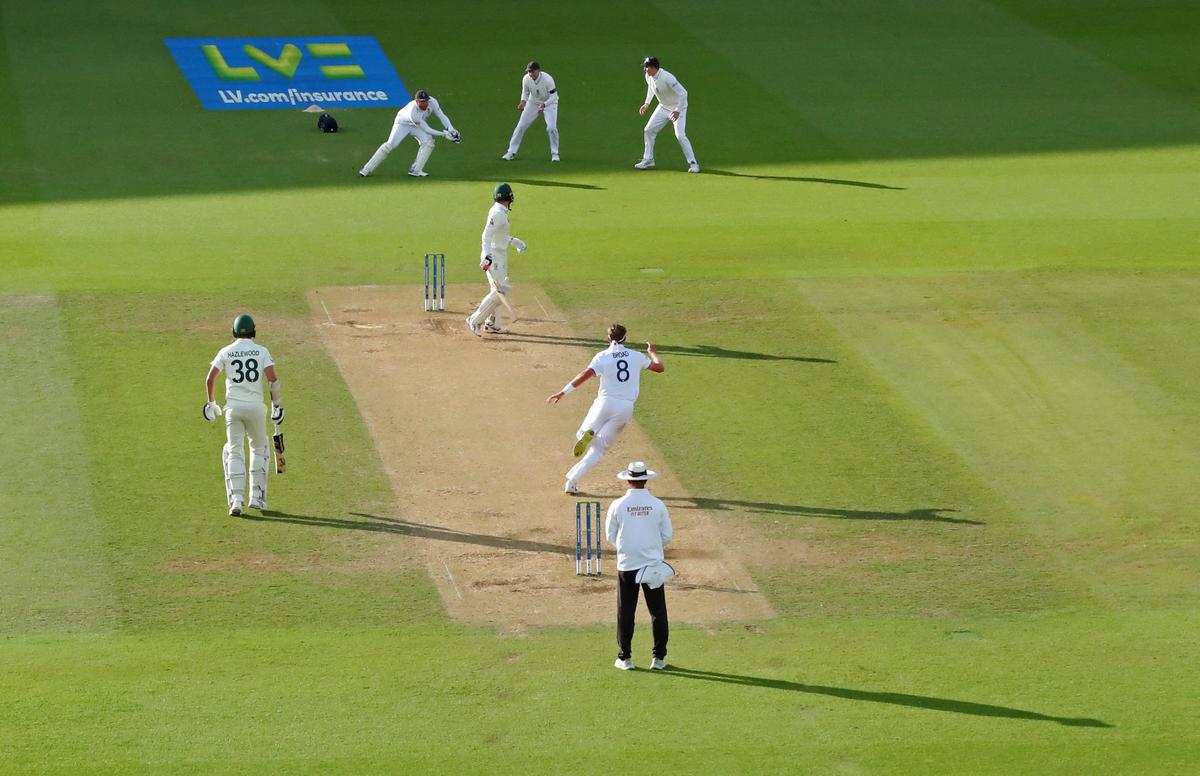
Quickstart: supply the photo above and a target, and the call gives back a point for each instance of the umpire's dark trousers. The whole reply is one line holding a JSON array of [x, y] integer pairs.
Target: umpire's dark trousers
[[627, 599]]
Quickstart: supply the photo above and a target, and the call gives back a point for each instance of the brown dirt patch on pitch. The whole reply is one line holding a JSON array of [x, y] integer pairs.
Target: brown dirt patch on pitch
[[476, 460]]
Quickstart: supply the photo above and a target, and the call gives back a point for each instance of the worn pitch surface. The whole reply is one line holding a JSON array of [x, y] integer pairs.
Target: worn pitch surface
[[476, 459]]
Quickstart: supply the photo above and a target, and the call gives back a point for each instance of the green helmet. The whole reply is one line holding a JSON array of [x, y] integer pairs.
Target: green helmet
[[503, 191], [243, 326]]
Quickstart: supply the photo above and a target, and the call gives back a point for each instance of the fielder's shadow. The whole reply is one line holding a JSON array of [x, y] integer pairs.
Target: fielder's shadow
[[535, 182], [929, 514], [830, 181], [892, 698], [702, 351], [394, 525]]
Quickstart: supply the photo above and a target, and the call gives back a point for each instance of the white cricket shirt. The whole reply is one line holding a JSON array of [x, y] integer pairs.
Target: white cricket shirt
[[411, 114], [666, 87], [638, 525], [620, 371], [495, 236], [540, 91], [244, 363]]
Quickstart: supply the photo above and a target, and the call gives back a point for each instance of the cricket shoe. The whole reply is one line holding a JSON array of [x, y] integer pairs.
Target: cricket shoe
[[235, 509], [508, 157], [261, 506], [554, 158], [413, 171], [624, 665], [645, 164], [571, 488], [693, 167], [582, 445], [658, 664], [492, 328], [474, 327]]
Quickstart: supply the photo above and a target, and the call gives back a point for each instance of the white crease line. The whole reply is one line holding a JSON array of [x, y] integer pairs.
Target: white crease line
[[447, 567], [545, 312], [327, 315]]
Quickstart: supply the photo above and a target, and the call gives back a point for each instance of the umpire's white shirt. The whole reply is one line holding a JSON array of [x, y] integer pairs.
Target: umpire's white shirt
[[620, 371], [638, 525], [542, 91], [666, 87], [244, 362]]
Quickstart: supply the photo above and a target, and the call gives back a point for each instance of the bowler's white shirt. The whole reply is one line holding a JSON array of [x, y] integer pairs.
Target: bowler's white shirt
[[539, 91], [244, 363], [638, 525], [666, 87], [620, 371], [412, 114]]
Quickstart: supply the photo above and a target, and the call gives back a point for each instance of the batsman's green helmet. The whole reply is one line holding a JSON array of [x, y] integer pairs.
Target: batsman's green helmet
[[243, 326], [503, 191]]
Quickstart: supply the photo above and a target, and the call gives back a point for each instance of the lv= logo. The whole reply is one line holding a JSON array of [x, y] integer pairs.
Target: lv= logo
[[285, 64]]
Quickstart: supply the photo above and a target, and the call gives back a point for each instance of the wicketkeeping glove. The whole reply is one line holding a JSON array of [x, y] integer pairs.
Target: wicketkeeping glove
[[276, 414], [211, 411], [454, 135]]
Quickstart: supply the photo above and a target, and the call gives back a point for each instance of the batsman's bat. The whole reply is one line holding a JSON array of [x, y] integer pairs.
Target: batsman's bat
[[280, 459]]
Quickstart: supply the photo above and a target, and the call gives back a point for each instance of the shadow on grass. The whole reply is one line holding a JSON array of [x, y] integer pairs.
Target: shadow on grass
[[394, 525], [535, 182], [830, 181], [892, 698], [929, 514], [703, 351]]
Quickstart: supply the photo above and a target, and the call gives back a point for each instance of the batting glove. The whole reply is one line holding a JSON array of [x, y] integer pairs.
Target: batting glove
[[519, 244], [485, 263], [276, 414], [211, 411]]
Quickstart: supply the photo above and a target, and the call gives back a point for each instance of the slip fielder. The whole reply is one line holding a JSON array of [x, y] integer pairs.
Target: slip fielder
[[539, 97], [245, 364], [413, 119], [620, 371], [672, 108]]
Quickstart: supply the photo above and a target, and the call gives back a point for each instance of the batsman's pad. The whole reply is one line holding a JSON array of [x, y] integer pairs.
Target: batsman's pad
[[327, 123], [259, 460], [280, 459]]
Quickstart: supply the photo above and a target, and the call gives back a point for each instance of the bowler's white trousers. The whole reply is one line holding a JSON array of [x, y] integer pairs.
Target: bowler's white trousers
[[607, 417]]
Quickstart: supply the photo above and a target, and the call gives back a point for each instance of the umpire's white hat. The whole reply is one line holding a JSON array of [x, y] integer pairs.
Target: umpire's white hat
[[637, 472]]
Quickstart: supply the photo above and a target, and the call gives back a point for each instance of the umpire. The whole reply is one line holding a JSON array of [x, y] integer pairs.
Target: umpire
[[638, 525]]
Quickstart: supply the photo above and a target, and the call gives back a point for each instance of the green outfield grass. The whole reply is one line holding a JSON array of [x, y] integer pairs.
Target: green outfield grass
[[929, 317]]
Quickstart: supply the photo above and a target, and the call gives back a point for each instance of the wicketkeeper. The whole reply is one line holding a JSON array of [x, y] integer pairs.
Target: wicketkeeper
[[245, 364], [413, 119]]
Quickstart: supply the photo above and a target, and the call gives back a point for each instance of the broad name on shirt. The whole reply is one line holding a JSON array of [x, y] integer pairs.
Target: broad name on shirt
[[621, 354]]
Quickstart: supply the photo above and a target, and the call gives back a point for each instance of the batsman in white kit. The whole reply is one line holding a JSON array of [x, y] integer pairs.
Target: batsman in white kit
[[247, 365], [539, 97], [672, 109], [413, 119], [620, 371], [493, 260]]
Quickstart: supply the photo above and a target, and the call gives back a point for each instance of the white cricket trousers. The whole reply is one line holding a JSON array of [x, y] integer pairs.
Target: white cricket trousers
[[528, 116], [607, 417], [401, 130], [497, 285], [242, 420], [659, 119]]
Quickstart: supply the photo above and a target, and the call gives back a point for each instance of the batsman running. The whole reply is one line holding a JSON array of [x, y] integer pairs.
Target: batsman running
[[620, 372], [493, 260], [245, 364]]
